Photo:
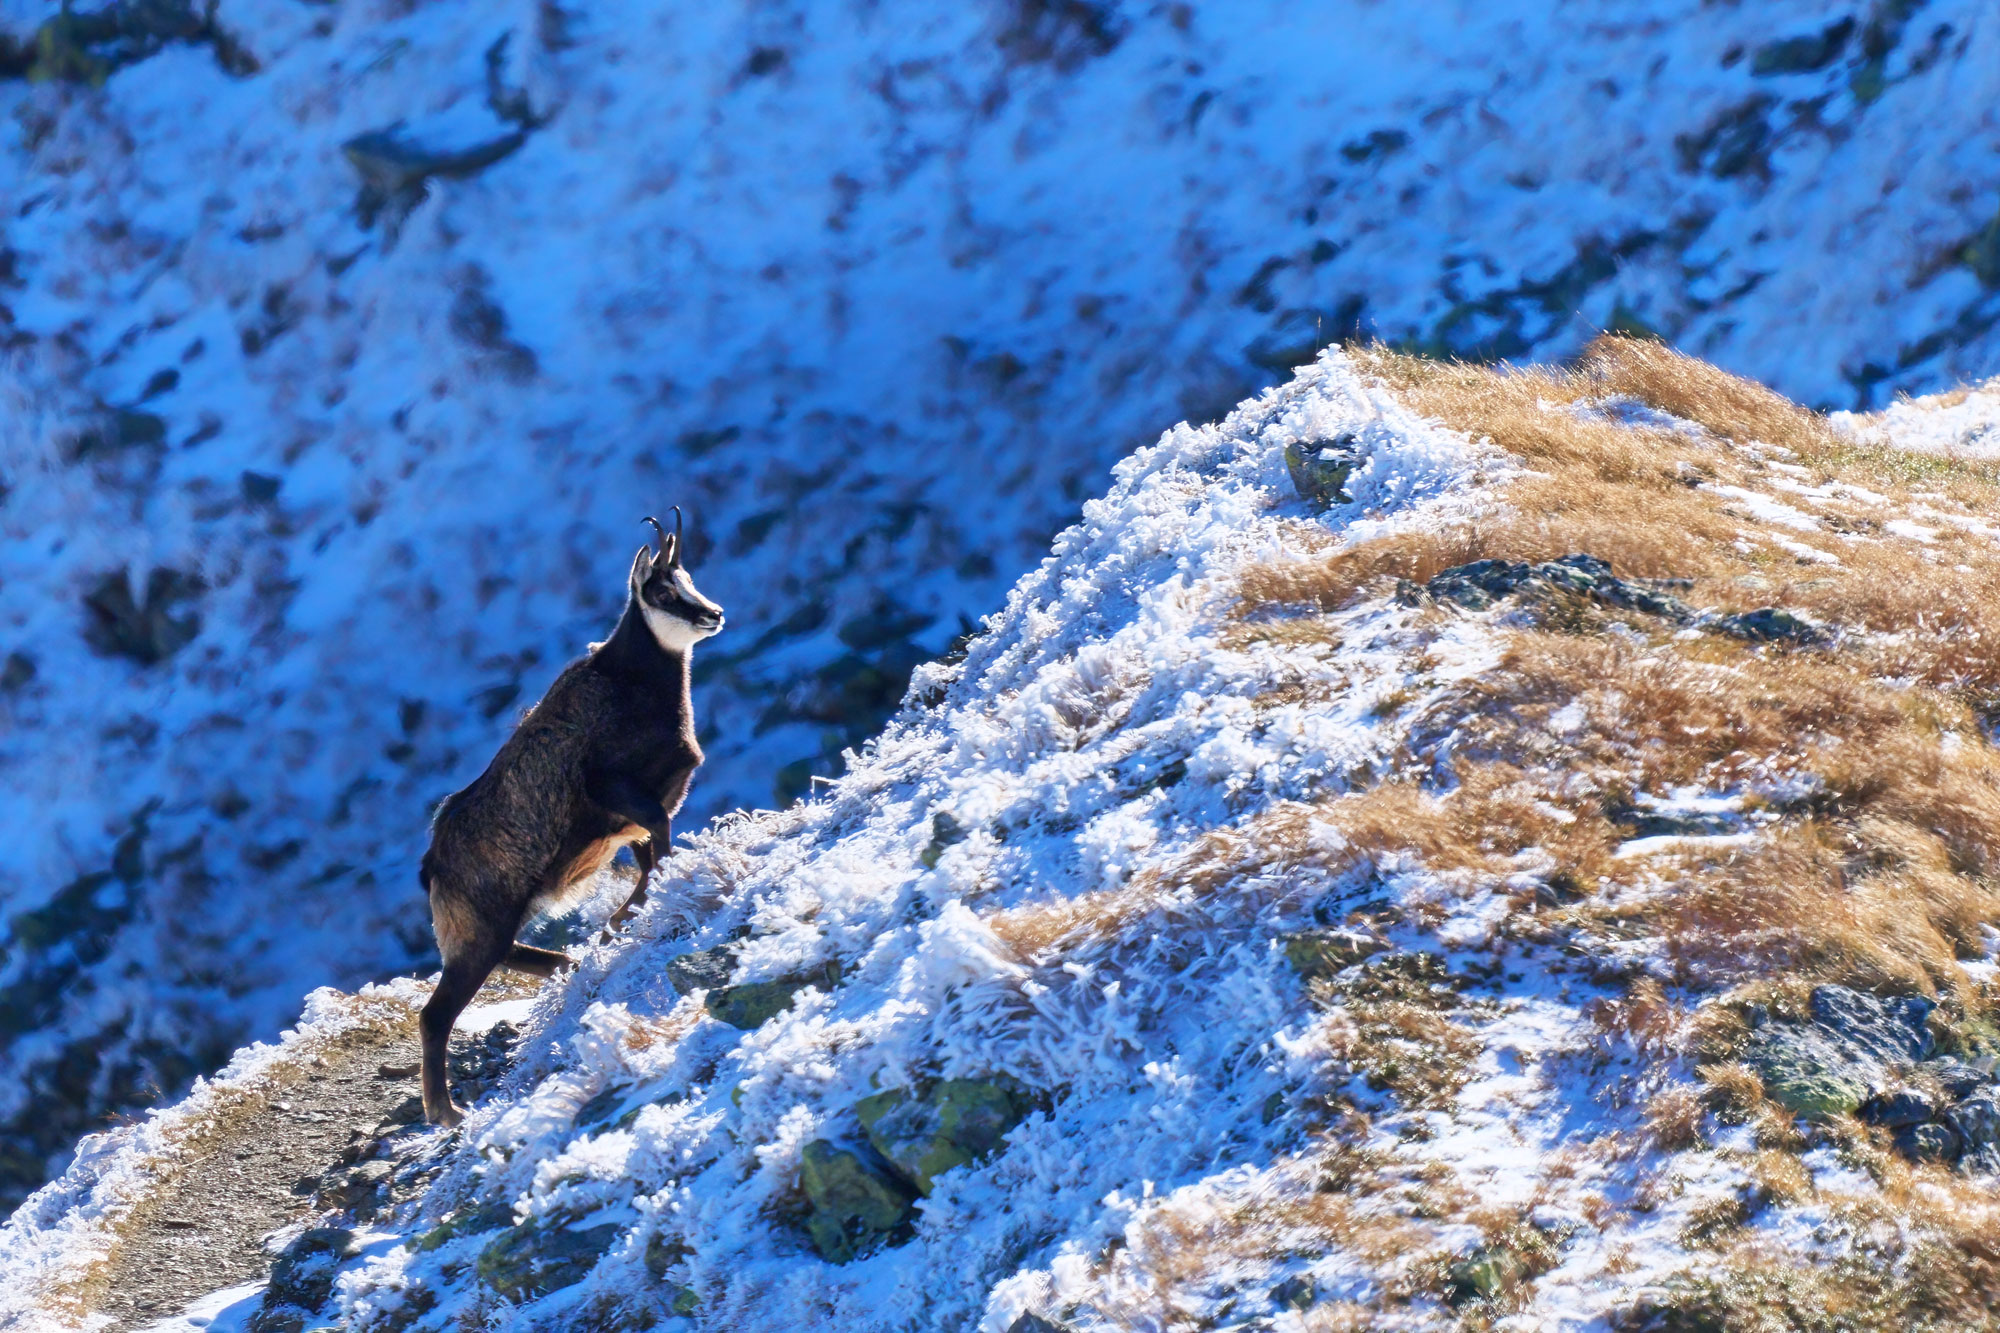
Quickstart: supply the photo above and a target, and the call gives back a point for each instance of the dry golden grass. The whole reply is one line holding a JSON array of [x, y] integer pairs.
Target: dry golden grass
[[1175, 1251], [1627, 494], [1921, 1254], [1886, 874]]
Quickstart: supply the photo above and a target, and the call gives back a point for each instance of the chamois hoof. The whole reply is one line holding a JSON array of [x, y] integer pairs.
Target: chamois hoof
[[446, 1116]]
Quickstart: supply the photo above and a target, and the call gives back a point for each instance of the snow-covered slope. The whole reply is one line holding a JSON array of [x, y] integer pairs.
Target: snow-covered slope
[[1321, 948], [308, 487]]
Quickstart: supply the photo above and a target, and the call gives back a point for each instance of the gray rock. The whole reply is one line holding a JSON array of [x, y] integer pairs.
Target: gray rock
[[1892, 1030], [1296, 1292], [1928, 1143], [302, 1279], [945, 832], [749, 1005], [409, 1111], [396, 170], [1482, 583], [1959, 1079], [1319, 470], [1977, 1121], [464, 1222], [1029, 1322], [1897, 1110], [608, 1102], [356, 1187], [147, 630], [1771, 624], [1803, 54], [704, 969], [1844, 1055]]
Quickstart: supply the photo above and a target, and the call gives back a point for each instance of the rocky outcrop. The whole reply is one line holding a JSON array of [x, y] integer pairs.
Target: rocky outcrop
[[1483, 583], [1842, 1054], [747, 1005], [957, 1121]]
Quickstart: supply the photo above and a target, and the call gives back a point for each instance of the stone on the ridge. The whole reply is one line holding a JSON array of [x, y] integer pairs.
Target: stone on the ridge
[[302, 1279], [1830, 1065], [1771, 624], [1959, 1079], [1322, 953], [1977, 1121], [1030, 1322], [534, 1260], [749, 1005], [1928, 1143], [959, 1121], [1489, 1271], [1482, 583], [854, 1206], [704, 969], [1897, 1110], [1320, 469], [356, 1187], [1296, 1292]]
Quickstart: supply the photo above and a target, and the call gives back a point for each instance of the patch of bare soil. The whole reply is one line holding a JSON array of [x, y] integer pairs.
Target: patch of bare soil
[[327, 1145]]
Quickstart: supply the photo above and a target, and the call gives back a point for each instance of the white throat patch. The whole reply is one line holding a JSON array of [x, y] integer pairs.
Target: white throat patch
[[670, 631]]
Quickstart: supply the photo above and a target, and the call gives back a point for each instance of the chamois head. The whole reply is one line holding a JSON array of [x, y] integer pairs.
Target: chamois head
[[677, 614]]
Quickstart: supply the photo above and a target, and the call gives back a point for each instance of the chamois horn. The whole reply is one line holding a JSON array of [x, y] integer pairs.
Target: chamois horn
[[666, 548]]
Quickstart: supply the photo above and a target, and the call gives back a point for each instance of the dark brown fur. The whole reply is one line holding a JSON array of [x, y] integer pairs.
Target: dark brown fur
[[603, 760]]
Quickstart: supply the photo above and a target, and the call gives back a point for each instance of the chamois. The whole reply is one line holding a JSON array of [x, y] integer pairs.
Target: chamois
[[603, 761]]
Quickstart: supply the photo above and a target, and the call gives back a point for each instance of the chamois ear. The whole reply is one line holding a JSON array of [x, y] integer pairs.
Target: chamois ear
[[642, 566]]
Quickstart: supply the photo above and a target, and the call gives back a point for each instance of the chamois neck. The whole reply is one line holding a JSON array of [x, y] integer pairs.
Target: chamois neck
[[633, 651]]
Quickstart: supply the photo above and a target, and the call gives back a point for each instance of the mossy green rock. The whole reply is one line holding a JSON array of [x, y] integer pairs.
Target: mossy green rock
[[1487, 1272], [751, 1004], [959, 1121], [1816, 1094], [1322, 953], [1828, 1066], [466, 1222], [1320, 470], [531, 1261], [854, 1206]]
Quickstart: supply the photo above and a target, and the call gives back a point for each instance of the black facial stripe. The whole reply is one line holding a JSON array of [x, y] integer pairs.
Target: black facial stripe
[[666, 597]]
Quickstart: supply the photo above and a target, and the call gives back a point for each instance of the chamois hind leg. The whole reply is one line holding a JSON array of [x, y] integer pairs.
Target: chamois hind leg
[[471, 949], [535, 962]]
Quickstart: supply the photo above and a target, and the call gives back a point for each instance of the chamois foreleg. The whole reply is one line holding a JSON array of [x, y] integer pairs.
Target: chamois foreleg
[[648, 856], [626, 799]]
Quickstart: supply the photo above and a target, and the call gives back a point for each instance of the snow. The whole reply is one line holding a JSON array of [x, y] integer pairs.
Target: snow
[[1968, 427], [1682, 842], [879, 305], [225, 1311]]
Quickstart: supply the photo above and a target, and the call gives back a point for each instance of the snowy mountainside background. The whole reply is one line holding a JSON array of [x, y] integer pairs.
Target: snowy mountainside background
[[317, 461]]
